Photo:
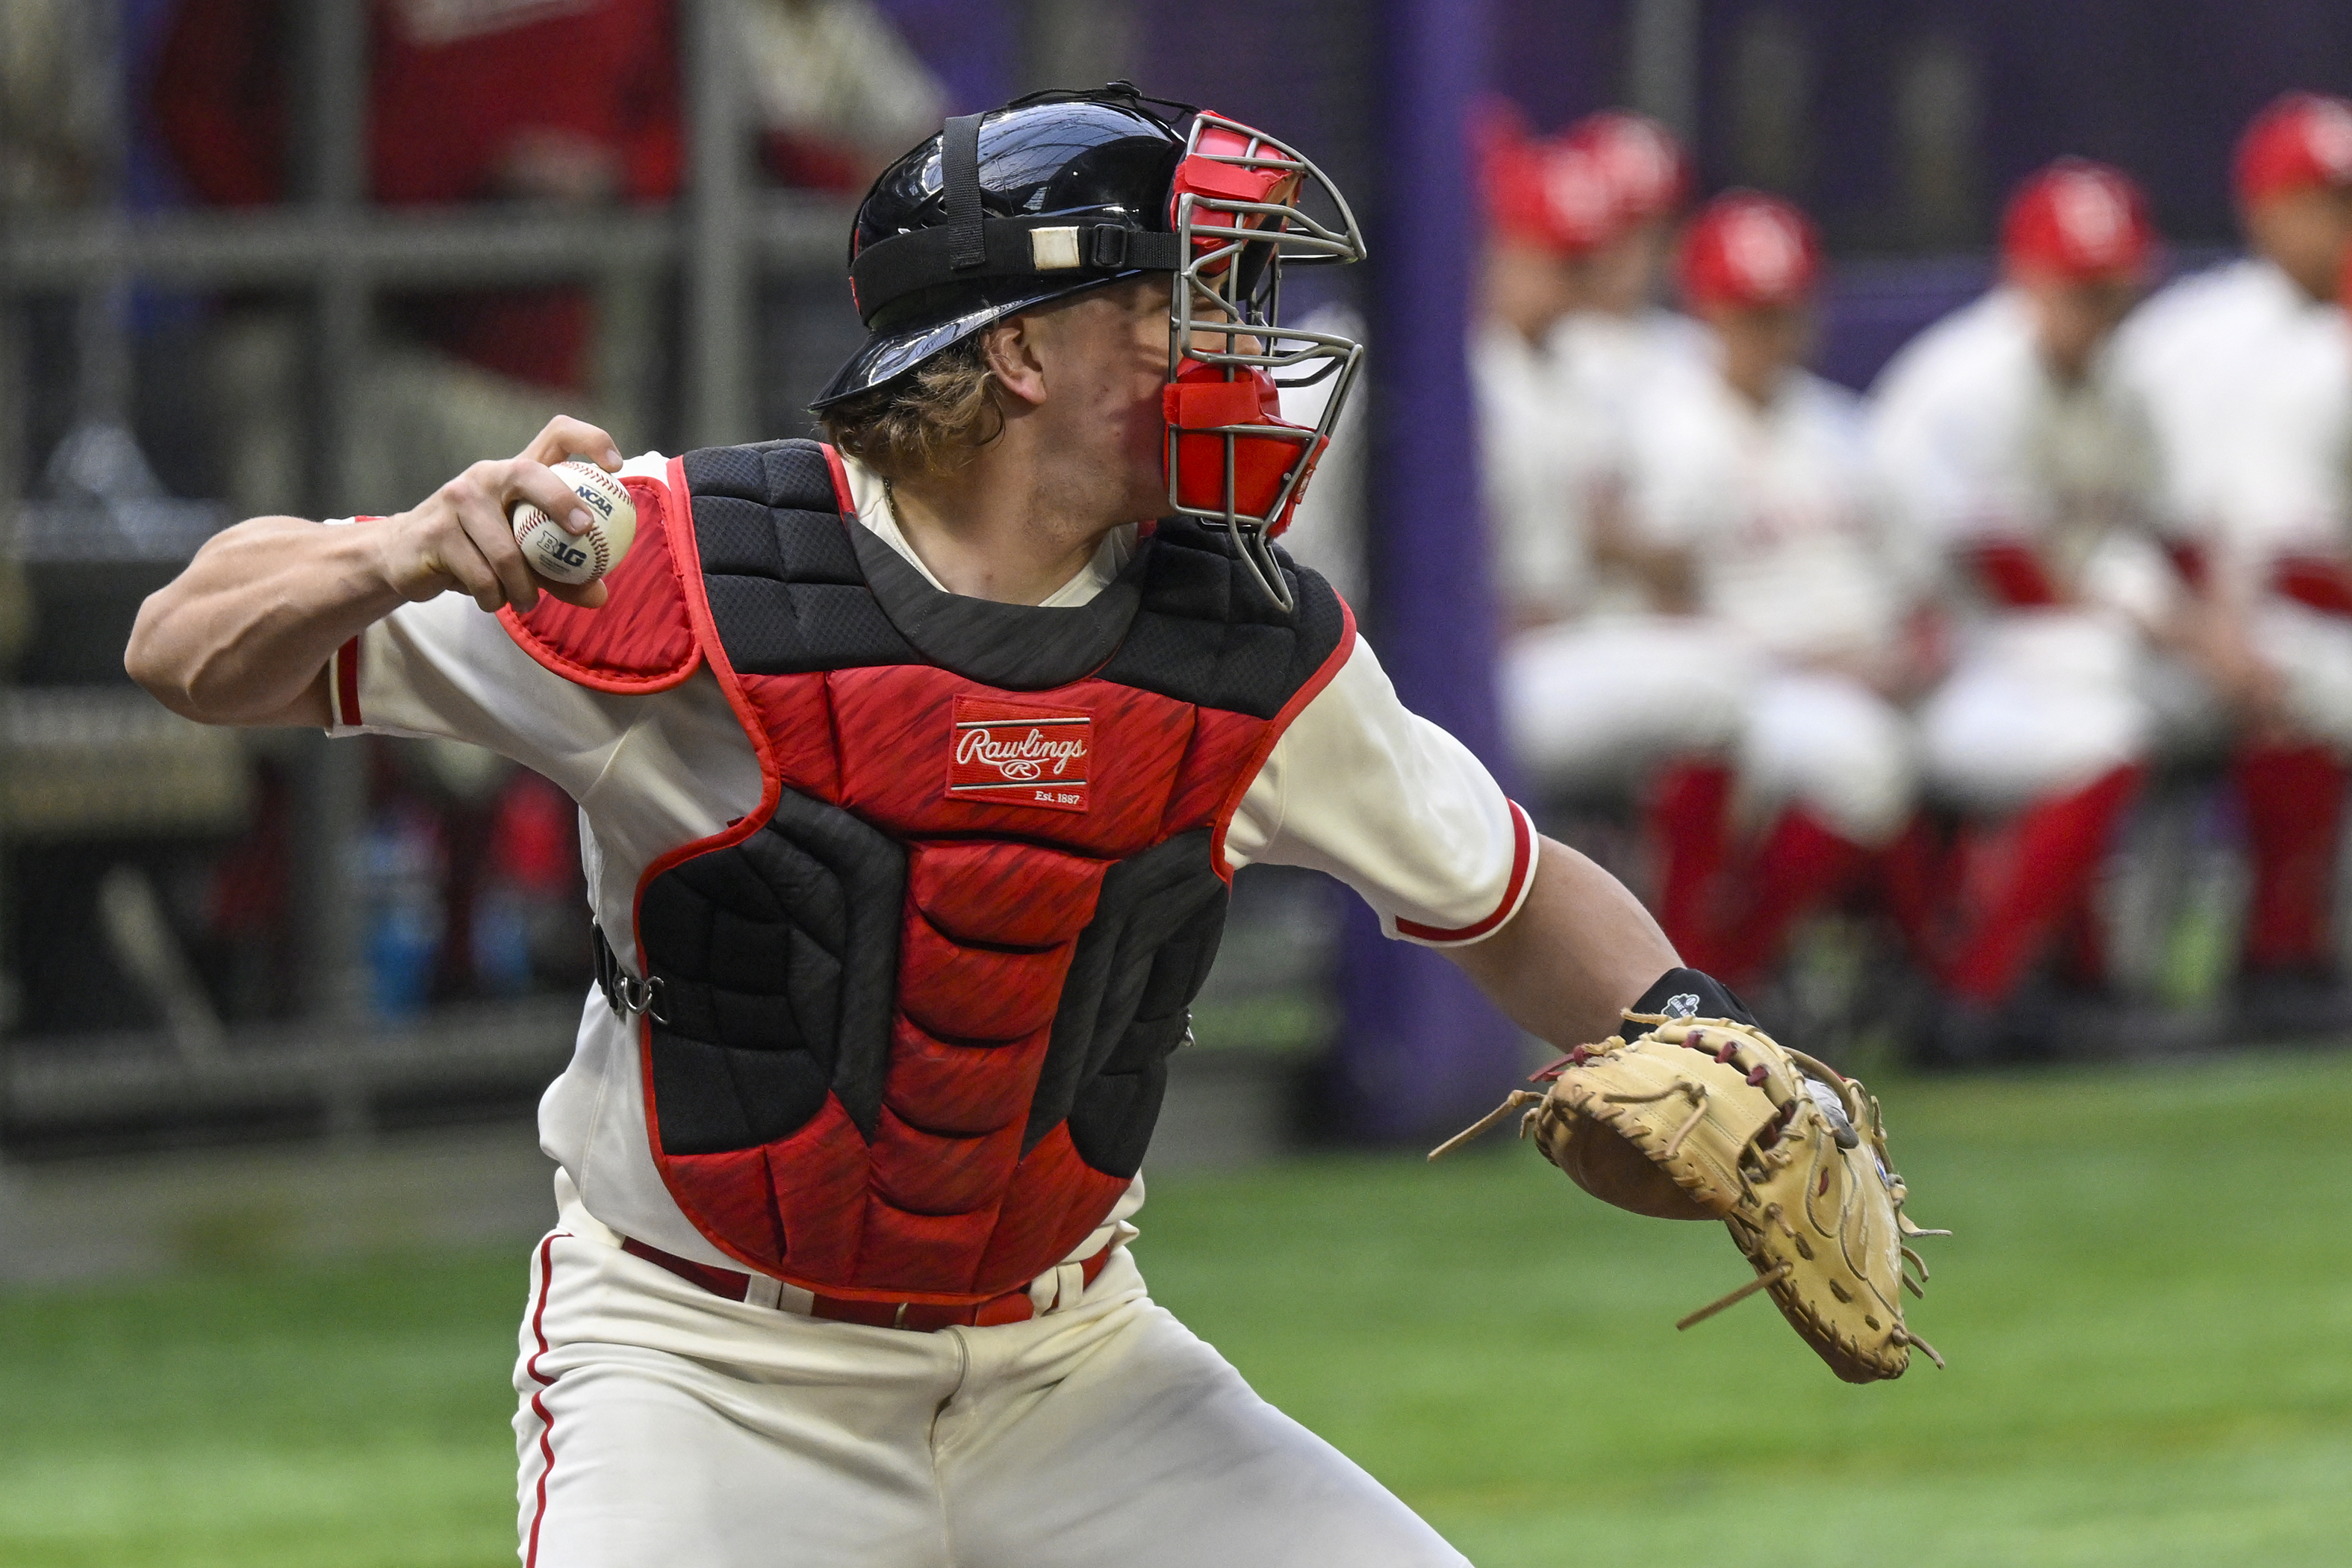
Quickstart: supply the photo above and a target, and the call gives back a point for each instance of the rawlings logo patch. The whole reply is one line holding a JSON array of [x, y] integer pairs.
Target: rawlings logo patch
[[1007, 753]]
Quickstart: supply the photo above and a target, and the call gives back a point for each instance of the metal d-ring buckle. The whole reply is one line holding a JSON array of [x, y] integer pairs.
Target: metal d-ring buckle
[[631, 996]]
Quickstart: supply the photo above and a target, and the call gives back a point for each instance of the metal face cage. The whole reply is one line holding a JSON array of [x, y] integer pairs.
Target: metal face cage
[[1225, 314]]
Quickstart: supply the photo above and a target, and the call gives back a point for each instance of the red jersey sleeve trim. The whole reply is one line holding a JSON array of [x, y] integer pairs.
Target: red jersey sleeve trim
[[343, 692], [1515, 892]]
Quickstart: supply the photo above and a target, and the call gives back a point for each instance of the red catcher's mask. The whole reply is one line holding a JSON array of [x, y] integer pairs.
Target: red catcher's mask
[[1245, 206], [1218, 427]]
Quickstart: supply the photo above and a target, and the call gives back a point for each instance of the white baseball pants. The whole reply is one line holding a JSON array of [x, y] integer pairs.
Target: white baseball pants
[[2040, 702], [661, 1424], [1829, 742], [1597, 702], [1600, 703]]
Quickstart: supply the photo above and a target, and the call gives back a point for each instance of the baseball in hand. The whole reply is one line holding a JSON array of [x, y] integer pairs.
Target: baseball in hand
[[564, 557]]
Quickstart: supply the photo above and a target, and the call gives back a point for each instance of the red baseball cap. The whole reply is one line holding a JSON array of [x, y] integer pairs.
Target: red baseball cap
[[1541, 191], [2082, 220], [2302, 140], [1746, 248], [1647, 172]]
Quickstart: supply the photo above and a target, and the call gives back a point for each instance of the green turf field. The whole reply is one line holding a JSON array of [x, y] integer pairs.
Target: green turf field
[[2147, 1310]]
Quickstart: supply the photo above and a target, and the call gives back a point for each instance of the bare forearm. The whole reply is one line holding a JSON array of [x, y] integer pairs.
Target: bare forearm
[[1578, 952], [242, 635]]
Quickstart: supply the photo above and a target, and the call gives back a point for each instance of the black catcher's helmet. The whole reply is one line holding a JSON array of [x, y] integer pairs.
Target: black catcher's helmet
[[1059, 192], [1072, 191]]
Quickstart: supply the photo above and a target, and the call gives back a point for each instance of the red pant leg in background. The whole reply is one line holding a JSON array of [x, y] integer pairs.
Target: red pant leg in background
[[2020, 880], [1801, 865], [2293, 799], [1690, 838]]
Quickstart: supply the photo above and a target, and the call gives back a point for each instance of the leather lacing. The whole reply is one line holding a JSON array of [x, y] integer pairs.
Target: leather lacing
[[1696, 1093], [1763, 1147]]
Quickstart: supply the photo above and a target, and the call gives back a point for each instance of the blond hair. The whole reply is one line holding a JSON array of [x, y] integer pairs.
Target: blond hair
[[927, 424]]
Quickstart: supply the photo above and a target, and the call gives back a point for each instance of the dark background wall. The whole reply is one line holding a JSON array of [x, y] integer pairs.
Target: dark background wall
[[1900, 121], [2160, 87]]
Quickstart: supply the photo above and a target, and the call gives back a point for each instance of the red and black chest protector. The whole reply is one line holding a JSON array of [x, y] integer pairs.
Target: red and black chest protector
[[914, 1011]]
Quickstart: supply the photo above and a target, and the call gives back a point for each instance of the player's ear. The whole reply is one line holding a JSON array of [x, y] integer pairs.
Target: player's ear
[[1014, 354]]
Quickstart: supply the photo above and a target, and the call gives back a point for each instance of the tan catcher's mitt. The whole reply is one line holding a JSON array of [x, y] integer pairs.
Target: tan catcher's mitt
[[1705, 1119]]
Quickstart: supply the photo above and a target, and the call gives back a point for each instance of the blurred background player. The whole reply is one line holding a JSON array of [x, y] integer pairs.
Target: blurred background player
[[1607, 673], [52, 110], [1621, 329], [463, 371], [1547, 457], [2022, 466], [839, 92], [2246, 370], [466, 857], [1749, 485]]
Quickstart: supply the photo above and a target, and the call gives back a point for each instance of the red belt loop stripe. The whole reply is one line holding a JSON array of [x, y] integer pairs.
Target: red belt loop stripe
[[918, 1317]]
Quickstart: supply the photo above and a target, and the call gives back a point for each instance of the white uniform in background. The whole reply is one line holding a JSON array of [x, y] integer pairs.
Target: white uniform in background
[[2249, 382], [1976, 442], [1545, 457], [1605, 369], [1608, 360], [1777, 509], [1327, 529], [1595, 698], [1554, 420]]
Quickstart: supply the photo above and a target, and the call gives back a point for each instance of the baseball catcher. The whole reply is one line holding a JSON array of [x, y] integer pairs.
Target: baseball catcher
[[1679, 1116], [914, 765]]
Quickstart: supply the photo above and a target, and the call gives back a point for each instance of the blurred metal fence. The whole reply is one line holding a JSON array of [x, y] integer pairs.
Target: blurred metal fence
[[335, 254]]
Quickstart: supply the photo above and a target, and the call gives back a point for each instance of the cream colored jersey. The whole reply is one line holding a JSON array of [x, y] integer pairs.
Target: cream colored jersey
[[1554, 419], [1974, 439], [1777, 507], [1545, 459], [2249, 383]]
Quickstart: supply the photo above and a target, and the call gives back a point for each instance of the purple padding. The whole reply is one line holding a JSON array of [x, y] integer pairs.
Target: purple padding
[[972, 46], [1421, 1050], [1871, 308]]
